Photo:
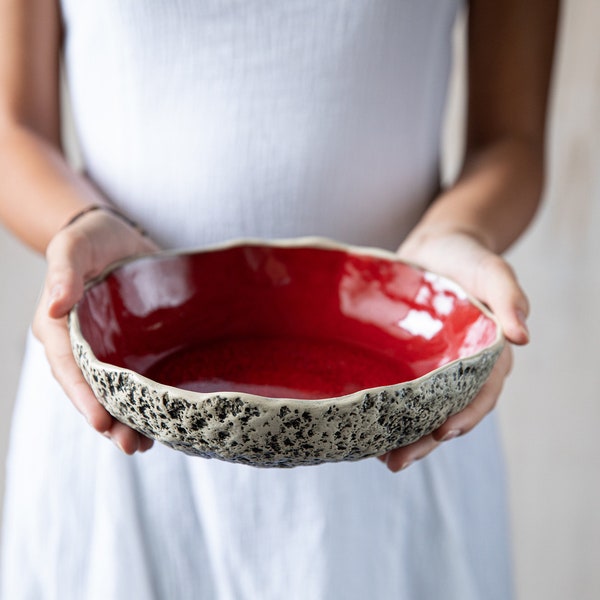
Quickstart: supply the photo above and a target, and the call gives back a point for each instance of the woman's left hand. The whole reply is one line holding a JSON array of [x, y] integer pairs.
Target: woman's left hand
[[488, 277]]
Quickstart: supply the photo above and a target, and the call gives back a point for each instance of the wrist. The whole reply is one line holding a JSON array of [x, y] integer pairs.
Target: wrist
[[109, 209], [425, 234]]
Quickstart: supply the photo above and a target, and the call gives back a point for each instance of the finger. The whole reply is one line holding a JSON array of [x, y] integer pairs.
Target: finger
[[128, 440], [65, 289], [124, 437], [402, 458], [145, 443], [66, 257], [482, 404], [55, 337], [498, 287]]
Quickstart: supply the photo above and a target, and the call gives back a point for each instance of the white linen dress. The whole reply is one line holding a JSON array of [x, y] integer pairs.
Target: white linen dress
[[207, 120]]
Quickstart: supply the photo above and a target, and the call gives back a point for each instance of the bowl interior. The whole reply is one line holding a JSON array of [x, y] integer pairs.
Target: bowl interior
[[295, 322]]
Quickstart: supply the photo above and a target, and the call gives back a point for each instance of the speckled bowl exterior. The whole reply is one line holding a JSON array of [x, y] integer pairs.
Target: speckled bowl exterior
[[276, 432]]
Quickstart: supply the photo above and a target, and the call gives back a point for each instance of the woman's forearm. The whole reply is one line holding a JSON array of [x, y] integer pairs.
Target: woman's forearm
[[38, 189], [511, 46], [494, 198]]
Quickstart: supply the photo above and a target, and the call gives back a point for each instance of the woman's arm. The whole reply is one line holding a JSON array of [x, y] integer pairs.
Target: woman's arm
[[511, 44], [39, 193], [510, 53]]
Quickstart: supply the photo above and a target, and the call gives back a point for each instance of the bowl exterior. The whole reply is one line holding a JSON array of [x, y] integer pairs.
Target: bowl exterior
[[276, 432]]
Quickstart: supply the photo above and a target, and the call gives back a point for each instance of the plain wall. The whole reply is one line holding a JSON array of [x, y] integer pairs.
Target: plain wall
[[550, 407]]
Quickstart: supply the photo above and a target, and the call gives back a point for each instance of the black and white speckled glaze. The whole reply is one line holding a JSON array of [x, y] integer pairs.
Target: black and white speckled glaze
[[275, 432]]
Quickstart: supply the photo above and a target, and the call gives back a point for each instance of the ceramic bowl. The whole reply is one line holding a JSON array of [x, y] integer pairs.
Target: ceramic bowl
[[282, 353]]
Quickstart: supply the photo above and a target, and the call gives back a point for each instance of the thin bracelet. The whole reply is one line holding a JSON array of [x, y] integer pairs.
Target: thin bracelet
[[111, 210]]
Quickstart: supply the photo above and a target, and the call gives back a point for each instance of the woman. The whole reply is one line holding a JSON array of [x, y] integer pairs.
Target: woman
[[220, 119]]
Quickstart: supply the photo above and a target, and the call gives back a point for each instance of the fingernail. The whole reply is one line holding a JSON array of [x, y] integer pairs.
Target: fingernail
[[406, 464], [55, 294], [144, 446], [119, 446], [453, 433], [383, 458], [522, 318]]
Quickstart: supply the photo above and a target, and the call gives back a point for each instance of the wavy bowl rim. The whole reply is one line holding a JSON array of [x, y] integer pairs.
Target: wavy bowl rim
[[315, 242]]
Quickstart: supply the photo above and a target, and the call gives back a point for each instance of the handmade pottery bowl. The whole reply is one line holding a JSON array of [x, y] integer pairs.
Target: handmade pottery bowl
[[282, 353]]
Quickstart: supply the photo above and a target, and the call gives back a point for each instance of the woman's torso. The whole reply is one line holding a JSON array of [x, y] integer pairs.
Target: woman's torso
[[214, 119]]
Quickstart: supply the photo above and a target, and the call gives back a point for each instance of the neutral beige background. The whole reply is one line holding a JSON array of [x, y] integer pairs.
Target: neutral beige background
[[550, 409]]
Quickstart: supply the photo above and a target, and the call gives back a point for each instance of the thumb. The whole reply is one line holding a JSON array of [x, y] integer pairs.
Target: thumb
[[65, 288], [498, 287], [65, 277]]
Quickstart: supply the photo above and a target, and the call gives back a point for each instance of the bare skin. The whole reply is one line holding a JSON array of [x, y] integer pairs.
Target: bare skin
[[462, 234]]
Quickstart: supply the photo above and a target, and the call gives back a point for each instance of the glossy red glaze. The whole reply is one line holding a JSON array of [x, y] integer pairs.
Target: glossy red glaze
[[299, 322]]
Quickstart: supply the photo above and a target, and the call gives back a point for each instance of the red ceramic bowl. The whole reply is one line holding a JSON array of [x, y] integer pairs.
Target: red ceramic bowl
[[282, 353]]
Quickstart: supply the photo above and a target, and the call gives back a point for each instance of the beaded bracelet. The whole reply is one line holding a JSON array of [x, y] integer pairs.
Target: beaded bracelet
[[111, 210]]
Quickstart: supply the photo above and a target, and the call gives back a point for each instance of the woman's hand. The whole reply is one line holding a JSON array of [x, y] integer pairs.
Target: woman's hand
[[498, 190], [488, 277], [511, 47], [75, 255]]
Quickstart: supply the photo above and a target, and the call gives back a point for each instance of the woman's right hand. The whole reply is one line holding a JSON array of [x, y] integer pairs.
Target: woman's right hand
[[76, 254]]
